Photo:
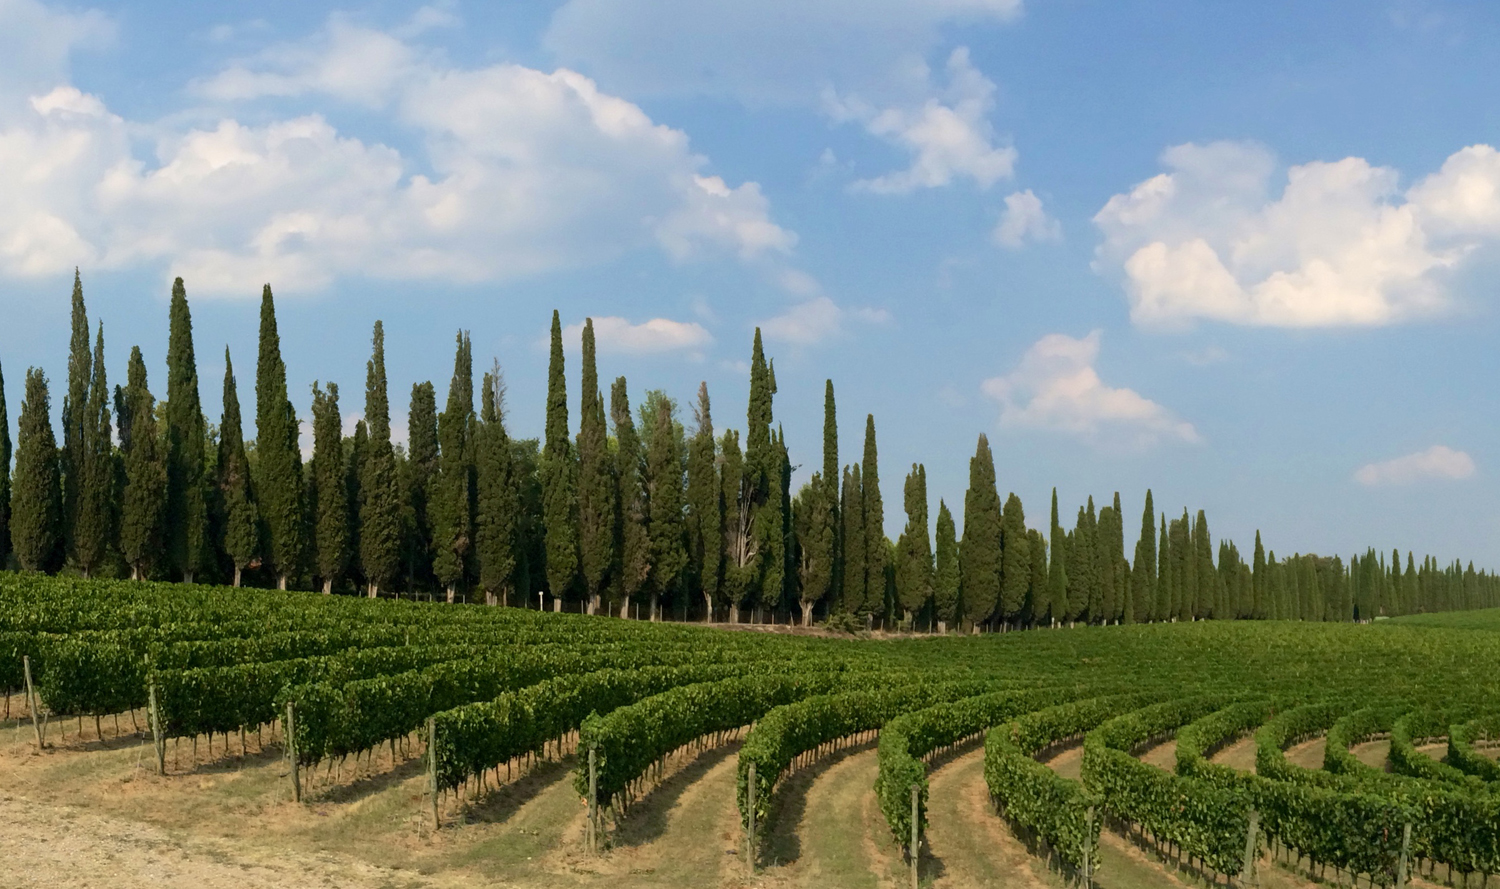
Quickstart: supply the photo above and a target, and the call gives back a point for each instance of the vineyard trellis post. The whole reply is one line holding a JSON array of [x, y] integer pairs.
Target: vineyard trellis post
[[750, 808], [593, 832], [1405, 851], [290, 730], [432, 781], [158, 741], [1088, 833], [31, 701], [1247, 869], [916, 833]]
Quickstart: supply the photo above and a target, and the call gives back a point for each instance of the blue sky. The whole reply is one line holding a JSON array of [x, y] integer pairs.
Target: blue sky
[[1242, 254]]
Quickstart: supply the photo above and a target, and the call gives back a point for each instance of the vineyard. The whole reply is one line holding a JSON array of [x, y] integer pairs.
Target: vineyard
[[420, 727]]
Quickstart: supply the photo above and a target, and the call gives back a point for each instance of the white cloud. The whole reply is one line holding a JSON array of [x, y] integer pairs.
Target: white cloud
[[521, 172], [817, 320], [614, 335], [948, 134], [1437, 462], [1025, 219], [1056, 388], [36, 44], [1339, 245]]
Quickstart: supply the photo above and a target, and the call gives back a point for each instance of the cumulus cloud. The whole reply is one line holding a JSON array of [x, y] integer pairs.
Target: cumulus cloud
[[948, 135], [36, 46], [1437, 462], [1056, 388], [1025, 219], [1337, 244], [816, 320], [614, 335], [519, 172]]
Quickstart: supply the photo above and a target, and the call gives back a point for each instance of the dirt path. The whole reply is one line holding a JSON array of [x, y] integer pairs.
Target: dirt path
[[1239, 755], [1308, 754], [969, 844], [1372, 753], [1163, 755], [1067, 762]]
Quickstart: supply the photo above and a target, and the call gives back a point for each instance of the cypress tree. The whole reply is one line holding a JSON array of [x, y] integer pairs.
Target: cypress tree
[[36, 501], [241, 516], [358, 450], [330, 480], [1143, 569], [1259, 582], [1095, 566], [596, 484], [853, 535], [664, 501], [706, 508], [94, 522], [761, 497], [419, 479], [781, 571], [5, 491], [875, 542], [1165, 607], [632, 542], [452, 507], [1015, 561], [1080, 568], [74, 410], [914, 570], [831, 485], [815, 538], [979, 556], [278, 456], [499, 510], [379, 487], [1203, 569], [1036, 592], [187, 506], [1186, 557], [1057, 571], [945, 576], [559, 478], [143, 518]]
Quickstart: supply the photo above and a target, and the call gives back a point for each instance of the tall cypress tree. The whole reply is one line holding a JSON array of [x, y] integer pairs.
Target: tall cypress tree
[[241, 515], [1080, 568], [5, 548], [418, 477], [915, 571], [664, 498], [705, 508], [1165, 606], [1109, 592], [452, 514], [74, 410], [853, 535], [278, 456], [945, 575], [979, 555], [596, 494], [831, 486], [559, 477], [94, 521], [1143, 569], [1015, 561], [330, 480], [632, 542], [1210, 595], [1185, 557], [143, 518], [1259, 582], [1037, 597], [380, 499], [187, 507], [1057, 571], [814, 539], [876, 547], [499, 513], [36, 501], [759, 499]]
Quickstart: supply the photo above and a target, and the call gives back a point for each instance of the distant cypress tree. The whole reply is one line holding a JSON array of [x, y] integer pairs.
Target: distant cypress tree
[[979, 554], [1057, 571], [499, 510], [853, 536], [874, 508], [95, 520], [945, 576], [1259, 579], [1080, 568], [831, 486], [74, 409], [36, 501], [559, 477], [187, 504], [632, 542], [330, 477], [664, 497], [418, 478], [241, 515], [705, 508], [1164, 607], [1185, 558], [596, 483], [380, 499], [452, 507], [143, 518], [914, 567], [1143, 569], [1037, 598], [814, 535], [278, 455], [1203, 569], [1015, 562], [763, 508], [5, 490]]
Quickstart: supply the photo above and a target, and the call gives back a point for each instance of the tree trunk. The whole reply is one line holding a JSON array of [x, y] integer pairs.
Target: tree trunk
[[557, 604], [237, 571], [452, 593], [734, 612], [807, 608], [593, 605], [135, 572], [708, 608], [187, 577], [625, 608], [373, 590], [281, 582], [327, 586], [655, 615]]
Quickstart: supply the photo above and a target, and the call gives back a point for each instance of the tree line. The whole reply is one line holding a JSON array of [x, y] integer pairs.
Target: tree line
[[636, 511]]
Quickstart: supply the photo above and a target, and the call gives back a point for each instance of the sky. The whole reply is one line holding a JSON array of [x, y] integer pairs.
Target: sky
[[1243, 255]]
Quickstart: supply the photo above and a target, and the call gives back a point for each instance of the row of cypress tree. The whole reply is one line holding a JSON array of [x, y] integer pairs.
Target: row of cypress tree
[[635, 510]]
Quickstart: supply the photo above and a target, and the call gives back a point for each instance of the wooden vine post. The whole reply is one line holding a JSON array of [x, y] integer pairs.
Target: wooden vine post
[[432, 781], [290, 730], [158, 738], [1088, 833], [916, 833], [593, 831], [31, 703], [1248, 876], [750, 821], [1405, 851]]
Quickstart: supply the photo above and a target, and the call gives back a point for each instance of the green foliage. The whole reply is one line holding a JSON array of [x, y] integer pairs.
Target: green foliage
[[497, 523], [454, 503], [379, 487], [559, 470], [278, 457], [705, 508], [946, 576], [979, 555], [331, 499], [36, 501], [596, 483], [187, 505], [632, 543]]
